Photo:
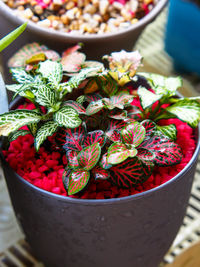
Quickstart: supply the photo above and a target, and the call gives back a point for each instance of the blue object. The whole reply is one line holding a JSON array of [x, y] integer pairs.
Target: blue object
[[182, 40]]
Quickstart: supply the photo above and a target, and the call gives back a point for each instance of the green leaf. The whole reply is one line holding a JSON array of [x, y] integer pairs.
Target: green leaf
[[67, 117], [77, 106], [13, 120], [147, 98], [118, 152], [89, 156], [186, 110], [8, 39], [78, 179], [43, 132], [52, 71], [133, 133], [108, 84], [33, 128], [162, 85], [168, 130], [14, 135], [21, 76], [45, 96], [14, 87]]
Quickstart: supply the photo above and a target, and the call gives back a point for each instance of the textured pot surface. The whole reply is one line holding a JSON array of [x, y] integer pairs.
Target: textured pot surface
[[95, 46], [131, 231]]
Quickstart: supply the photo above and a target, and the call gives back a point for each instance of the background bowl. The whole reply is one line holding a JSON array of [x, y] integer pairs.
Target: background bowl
[[95, 46]]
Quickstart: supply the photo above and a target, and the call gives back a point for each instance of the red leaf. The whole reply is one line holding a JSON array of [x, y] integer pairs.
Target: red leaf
[[100, 174], [128, 173], [166, 151], [78, 107], [133, 133], [94, 137], [78, 179], [89, 156]]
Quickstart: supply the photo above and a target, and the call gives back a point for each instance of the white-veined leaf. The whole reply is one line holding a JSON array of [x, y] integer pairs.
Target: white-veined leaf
[[44, 131], [13, 120], [52, 71], [186, 110], [147, 98], [14, 135], [45, 96], [67, 117], [162, 85], [167, 130], [21, 76]]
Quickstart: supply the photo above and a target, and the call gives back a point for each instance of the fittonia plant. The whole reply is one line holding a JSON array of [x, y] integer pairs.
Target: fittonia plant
[[106, 120]]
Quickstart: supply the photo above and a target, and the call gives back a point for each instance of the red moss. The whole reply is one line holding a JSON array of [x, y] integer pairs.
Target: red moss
[[45, 169]]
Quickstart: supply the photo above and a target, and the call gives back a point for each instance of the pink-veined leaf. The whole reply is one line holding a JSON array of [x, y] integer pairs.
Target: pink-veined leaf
[[73, 138], [119, 101], [78, 179], [29, 51], [113, 128], [93, 97], [128, 173], [114, 136], [78, 107], [89, 156], [72, 159], [94, 107], [97, 136], [118, 114], [133, 133], [166, 151], [118, 152], [72, 59], [145, 154], [149, 126], [133, 112], [100, 173], [104, 163]]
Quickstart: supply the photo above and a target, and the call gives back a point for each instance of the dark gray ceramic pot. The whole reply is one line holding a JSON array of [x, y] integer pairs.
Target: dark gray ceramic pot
[[134, 231], [95, 46]]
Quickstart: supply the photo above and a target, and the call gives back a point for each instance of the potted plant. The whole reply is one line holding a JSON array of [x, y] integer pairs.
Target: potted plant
[[54, 13], [104, 160]]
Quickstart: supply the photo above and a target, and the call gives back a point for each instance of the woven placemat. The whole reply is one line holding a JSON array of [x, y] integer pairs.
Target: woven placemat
[[14, 251]]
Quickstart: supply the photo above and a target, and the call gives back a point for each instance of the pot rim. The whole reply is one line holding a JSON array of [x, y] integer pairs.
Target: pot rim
[[9, 14], [111, 200]]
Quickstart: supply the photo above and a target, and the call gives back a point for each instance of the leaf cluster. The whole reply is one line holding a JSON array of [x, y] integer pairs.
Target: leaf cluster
[[106, 120]]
